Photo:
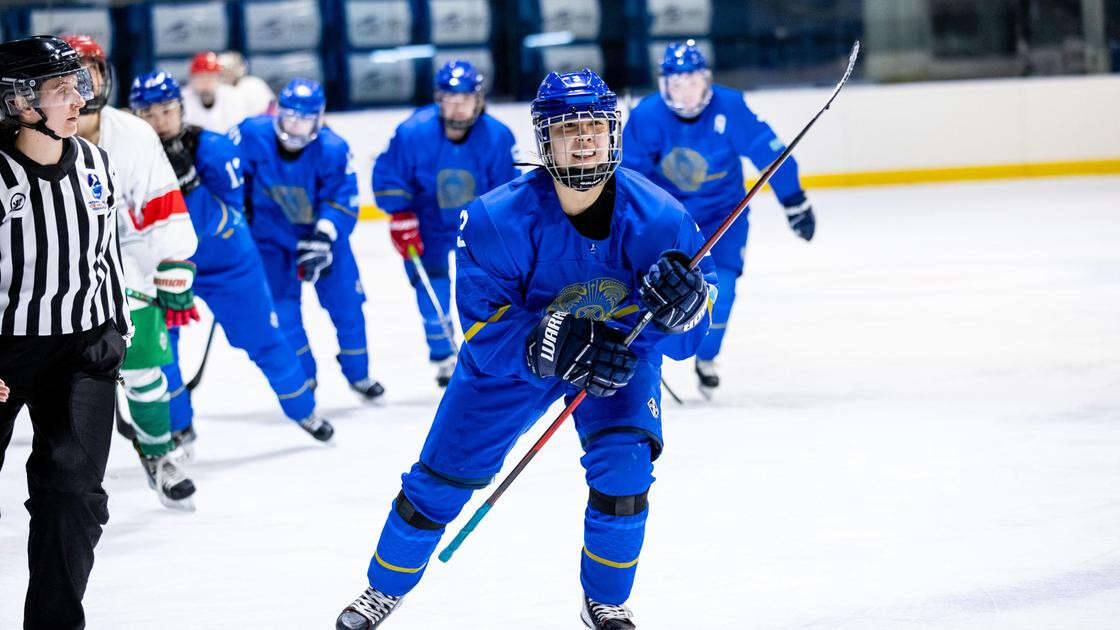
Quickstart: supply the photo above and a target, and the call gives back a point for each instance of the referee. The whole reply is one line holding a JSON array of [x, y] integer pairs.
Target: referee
[[63, 319]]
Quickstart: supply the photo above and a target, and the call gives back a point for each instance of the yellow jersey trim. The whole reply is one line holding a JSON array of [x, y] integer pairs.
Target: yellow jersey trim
[[477, 326]]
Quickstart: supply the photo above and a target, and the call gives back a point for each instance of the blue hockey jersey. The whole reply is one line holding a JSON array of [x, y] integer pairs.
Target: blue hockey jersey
[[424, 172], [215, 207], [698, 161], [288, 196], [519, 257]]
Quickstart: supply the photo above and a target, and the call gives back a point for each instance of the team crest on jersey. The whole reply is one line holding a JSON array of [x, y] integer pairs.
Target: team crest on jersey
[[687, 169], [295, 203], [720, 124], [594, 299], [95, 205], [454, 188]]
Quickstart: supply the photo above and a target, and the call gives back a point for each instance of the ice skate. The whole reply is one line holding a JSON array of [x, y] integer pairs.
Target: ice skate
[[709, 380], [167, 478], [184, 442], [368, 389], [444, 369], [605, 616], [319, 428], [368, 611]]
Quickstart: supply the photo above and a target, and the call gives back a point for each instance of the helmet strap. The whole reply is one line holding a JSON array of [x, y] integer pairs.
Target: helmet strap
[[40, 125]]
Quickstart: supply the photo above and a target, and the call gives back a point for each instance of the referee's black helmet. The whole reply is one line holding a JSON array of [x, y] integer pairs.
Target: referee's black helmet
[[25, 64]]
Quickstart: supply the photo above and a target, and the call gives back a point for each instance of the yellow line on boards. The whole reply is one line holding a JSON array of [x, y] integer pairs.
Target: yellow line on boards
[[924, 176], [962, 173]]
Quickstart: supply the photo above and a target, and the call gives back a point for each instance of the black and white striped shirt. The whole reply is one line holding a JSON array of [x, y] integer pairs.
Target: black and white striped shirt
[[60, 260]]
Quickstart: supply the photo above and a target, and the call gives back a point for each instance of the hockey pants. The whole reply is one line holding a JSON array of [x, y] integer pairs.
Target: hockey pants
[[478, 421], [339, 292]]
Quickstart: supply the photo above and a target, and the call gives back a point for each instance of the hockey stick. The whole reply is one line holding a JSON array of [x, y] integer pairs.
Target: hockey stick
[[445, 555], [151, 301], [669, 390], [205, 355], [443, 320]]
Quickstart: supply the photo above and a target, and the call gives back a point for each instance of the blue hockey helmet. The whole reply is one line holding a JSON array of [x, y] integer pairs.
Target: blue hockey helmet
[[458, 86], [458, 76], [686, 79], [153, 88], [299, 113], [578, 128], [683, 57], [149, 97]]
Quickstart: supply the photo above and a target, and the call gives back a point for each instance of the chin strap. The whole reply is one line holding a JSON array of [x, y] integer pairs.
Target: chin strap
[[40, 125]]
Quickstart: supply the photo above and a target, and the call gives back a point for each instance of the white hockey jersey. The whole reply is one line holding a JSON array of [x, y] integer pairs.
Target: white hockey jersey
[[255, 94], [156, 226], [229, 109]]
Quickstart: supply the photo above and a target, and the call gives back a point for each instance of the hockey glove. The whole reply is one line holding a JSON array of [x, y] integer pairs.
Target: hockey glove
[[313, 253], [173, 280], [404, 229], [584, 352], [801, 219], [675, 295], [180, 152]]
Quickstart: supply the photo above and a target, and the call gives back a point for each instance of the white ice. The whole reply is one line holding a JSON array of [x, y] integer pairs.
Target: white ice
[[919, 428]]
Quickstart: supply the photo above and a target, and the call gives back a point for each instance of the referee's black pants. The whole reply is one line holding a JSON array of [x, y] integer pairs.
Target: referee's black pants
[[68, 384]]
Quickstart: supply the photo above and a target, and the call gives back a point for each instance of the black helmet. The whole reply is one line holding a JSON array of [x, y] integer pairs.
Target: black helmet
[[25, 64]]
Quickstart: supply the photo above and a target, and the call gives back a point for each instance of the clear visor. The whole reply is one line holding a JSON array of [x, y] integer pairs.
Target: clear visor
[[688, 93], [51, 91], [296, 129], [156, 111], [459, 110], [580, 150]]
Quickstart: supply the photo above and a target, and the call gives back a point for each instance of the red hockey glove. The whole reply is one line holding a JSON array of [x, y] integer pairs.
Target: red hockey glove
[[404, 229], [173, 280]]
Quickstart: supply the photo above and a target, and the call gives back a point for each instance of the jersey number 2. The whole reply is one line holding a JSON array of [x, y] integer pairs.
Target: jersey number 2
[[462, 224]]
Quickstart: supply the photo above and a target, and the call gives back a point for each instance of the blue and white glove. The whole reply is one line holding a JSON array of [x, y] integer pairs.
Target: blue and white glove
[[585, 352], [313, 254], [676, 295], [801, 219]]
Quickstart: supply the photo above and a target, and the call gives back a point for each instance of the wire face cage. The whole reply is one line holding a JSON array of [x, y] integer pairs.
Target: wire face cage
[[580, 149]]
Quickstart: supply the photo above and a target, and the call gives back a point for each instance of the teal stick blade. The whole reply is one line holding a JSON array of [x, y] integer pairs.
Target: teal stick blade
[[445, 555]]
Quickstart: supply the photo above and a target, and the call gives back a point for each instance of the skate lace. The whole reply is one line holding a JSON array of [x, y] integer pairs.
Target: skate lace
[[169, 473], [707, 368], [374, 605], [311, 423], [603, 612]]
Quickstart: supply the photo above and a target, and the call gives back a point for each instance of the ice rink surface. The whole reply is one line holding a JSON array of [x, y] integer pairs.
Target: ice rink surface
[[919, 428]]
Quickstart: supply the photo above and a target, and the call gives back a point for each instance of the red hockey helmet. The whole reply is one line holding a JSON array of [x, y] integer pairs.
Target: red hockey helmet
[[90, 51], [205, 62]]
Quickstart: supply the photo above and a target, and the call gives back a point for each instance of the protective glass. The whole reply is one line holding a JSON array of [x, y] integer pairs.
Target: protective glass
[[166, 117], [157, 111], [580, 150], [687, 93], [296, 129], [459, 110], [49, 91]]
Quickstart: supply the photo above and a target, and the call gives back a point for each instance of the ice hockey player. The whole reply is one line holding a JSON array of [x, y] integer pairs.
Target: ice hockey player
[[230, 277], [553, 267], [688, 139], [301, 195], [255, 94], [156, 241], [440, 159], [207, 101]]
